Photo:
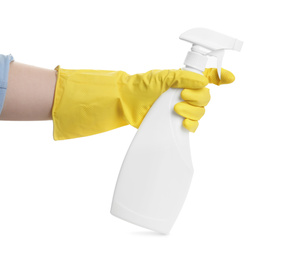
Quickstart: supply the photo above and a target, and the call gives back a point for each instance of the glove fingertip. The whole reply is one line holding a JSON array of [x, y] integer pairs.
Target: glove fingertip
[[190, 125], [227, 77]]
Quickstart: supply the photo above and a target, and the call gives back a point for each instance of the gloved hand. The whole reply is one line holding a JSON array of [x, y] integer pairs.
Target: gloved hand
[[192, 109], [88, 102]]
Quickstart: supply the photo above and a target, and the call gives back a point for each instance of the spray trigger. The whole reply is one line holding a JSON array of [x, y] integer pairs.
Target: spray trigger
[[207, 43], [219, 54]]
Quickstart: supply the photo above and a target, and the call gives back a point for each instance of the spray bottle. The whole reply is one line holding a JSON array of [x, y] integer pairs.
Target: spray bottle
[[157, 171]]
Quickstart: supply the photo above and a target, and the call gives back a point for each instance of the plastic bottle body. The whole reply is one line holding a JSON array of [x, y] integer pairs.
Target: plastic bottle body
[[157, 171]]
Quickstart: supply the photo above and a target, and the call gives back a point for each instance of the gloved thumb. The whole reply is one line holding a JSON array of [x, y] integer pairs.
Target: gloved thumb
[[183, 79]]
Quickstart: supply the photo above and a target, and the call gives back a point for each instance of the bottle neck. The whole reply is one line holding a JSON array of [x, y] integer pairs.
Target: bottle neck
[[195, 62]]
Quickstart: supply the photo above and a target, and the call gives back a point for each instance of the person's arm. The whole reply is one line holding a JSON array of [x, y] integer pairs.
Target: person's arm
[[87, 102], [30, 93]]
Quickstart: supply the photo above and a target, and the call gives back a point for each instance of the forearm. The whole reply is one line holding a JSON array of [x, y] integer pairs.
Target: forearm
[[30, 93]]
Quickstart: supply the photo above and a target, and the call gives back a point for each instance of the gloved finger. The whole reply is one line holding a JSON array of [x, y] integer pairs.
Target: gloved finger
[[188, 111], [196, 97], [184, 79], [190, 125], [213, 77]]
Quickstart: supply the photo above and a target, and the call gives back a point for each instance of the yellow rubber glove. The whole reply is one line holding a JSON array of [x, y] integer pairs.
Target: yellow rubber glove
[[192, 109], [89, 102]]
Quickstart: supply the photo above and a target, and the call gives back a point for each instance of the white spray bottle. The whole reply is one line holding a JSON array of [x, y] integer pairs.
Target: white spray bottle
[[157, 171]]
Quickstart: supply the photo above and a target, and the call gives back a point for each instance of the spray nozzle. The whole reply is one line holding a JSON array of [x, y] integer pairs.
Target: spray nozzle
[[207, 43]]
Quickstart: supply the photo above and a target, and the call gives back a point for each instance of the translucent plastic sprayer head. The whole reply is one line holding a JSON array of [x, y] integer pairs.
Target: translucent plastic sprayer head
[[207, 43]]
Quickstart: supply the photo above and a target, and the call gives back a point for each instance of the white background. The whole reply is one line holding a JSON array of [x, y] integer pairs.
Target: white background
[[55, 197]]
